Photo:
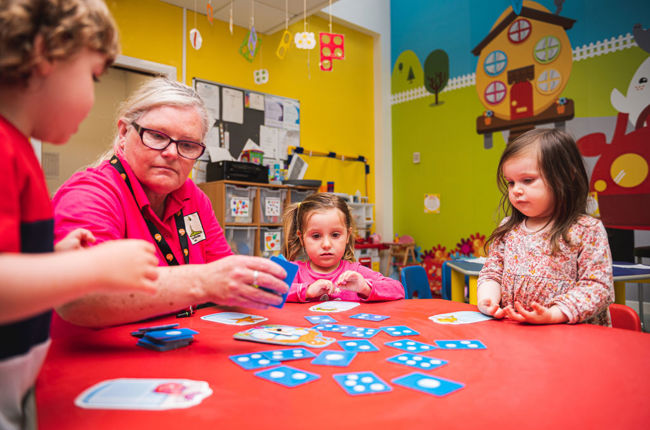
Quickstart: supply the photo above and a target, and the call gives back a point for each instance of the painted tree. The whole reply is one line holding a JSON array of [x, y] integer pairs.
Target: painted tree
[[436, 72]]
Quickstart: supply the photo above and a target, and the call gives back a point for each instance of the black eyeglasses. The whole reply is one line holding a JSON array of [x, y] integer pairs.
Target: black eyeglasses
[[159, 141]]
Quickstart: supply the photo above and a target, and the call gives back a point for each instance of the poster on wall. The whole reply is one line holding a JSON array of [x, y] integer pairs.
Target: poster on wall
[[291, 119], [273, 112], [210, 95], [233, 105]]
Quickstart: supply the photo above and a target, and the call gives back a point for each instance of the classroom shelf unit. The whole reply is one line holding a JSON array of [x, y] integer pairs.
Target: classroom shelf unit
[[251, 213]]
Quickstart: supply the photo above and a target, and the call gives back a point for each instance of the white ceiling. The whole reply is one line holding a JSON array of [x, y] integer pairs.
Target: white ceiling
[[270, 15]]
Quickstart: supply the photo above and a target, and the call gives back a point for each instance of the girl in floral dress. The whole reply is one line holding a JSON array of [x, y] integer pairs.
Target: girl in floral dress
[[549, 262]]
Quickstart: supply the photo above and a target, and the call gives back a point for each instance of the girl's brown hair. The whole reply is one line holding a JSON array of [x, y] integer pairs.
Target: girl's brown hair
[[563, 171], [66, 27], [297, 215]]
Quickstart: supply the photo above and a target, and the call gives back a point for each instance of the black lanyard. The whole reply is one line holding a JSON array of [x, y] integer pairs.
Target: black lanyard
[[158, 238]]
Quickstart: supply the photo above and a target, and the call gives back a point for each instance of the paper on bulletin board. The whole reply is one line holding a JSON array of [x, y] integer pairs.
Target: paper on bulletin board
[[432, 203], [273, 112], [287, 138], [254, 100], [269, 141], [233, 105], [210, 95], [291, 118]]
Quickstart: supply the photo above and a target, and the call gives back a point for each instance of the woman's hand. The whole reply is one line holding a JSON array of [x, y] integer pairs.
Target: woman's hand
[[320, 287], [354, 281], [76, 239], [490, 307], [538, 315], [235, 281]]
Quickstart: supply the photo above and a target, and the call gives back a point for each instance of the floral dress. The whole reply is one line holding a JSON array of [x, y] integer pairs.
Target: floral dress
[[578, 278]]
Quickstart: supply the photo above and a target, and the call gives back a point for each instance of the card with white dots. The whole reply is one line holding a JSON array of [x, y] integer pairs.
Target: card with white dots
[[399, 330], [417, 361], [361, 383], [288, 354], [361, 332], [255, 360], [320, 319], [287, 376], [338, 328], [361, 345], [410, 345], [428, 384], [370, 317], [334, 358], [460, 344]]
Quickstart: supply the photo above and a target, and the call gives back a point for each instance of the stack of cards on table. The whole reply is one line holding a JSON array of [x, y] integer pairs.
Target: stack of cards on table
[[164, 337]]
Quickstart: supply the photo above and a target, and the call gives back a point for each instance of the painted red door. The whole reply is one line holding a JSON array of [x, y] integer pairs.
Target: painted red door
[[521, 100]]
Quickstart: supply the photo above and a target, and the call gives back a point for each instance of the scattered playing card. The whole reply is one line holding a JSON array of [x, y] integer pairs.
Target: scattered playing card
[[334, 306], [361, 345], [361, 383], [285, 335], [460, 317], [460, 344], [417, 361], [253, 361], [287, 376], [288, 354], [428, 384], [291, 269], [399, 330], [361, 332], [334, 358], [234, 318], [141, 331], [166, 345], [410, 345], [145, 394], [370, 317], [320, 319], [338, 328], [169, 335]]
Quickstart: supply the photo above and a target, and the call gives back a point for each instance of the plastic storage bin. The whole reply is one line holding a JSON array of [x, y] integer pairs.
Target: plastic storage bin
[[241, 240], [300, 195], [240, 201], [270, 241], [271, 205]]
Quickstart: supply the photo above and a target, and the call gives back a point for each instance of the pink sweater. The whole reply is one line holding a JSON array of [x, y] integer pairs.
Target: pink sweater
[[382, 288]]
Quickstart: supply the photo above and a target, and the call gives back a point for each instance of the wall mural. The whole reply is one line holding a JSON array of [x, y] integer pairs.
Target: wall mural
[[524, 64]]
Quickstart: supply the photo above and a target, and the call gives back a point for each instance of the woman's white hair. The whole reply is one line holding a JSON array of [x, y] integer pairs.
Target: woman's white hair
[[154, 93]]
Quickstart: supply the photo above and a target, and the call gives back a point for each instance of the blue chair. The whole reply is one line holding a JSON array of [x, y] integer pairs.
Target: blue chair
[[415, 281]]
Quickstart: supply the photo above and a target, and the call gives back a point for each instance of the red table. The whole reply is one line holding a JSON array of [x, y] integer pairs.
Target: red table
[[529, 377]]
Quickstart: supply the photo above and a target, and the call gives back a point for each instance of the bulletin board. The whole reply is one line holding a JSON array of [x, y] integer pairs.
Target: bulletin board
[[240, 116]]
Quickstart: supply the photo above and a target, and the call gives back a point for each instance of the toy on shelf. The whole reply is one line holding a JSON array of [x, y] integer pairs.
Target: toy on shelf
[[252, 156]]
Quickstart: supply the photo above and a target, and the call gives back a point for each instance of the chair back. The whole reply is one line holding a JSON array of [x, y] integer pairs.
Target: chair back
[[415, 281], [624, 317]]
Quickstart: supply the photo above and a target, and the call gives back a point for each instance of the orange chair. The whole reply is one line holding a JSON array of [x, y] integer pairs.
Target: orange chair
[[624, 317]]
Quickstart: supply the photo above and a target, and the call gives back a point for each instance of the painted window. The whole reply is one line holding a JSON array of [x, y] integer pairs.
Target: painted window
[[519, 30], [495, 92], [495, 63], [547, 49], [549, 81]]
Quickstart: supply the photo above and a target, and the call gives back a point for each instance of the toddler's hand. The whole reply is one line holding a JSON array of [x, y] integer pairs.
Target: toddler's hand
[[354, 281], [320, 287], [76, 239], [538, 315], [125, 265], [488, 307]]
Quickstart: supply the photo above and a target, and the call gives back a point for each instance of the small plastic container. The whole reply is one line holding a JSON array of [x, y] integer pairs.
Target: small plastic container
[[241, 240], [270, 241], [300, 195], [240, 201], [272, 205]]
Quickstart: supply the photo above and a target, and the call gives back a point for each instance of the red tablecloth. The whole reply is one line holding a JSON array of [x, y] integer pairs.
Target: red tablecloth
[[529, 377]]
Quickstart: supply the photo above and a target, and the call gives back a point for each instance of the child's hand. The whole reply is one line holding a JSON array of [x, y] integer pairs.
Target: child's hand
[[489, 307], [124, 265], [76, 239], [539, 314], [354, 281], [320, 287]]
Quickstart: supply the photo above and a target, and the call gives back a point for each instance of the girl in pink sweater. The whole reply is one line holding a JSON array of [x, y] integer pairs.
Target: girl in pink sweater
[[322, 228]]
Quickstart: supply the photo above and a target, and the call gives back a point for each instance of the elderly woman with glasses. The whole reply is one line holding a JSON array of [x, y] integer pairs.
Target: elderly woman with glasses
[[141, 190]]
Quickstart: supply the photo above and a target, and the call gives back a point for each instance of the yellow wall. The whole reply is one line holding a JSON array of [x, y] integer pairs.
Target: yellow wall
[[336, 108]]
